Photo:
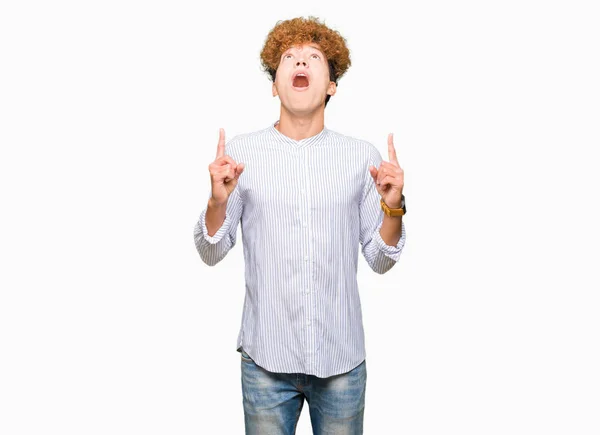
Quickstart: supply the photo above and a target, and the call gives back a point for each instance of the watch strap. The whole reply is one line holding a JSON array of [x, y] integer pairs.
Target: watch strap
[[394, 212]]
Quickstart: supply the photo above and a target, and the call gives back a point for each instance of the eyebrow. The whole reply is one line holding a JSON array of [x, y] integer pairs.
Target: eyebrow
[[295, 49]]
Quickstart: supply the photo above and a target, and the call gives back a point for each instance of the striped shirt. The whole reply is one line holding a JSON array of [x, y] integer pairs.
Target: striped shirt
[[304, 207]]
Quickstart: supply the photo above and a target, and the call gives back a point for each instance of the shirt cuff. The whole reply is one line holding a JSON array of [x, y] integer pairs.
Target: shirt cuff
[[216, 238], [391, 251]]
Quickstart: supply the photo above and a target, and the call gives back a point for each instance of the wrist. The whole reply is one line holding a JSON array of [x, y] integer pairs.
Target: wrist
[[394, 210], [213, 203], [393, 204]]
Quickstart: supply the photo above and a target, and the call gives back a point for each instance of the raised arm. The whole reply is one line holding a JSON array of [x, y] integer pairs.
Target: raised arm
[[382, 237], [216, 229]]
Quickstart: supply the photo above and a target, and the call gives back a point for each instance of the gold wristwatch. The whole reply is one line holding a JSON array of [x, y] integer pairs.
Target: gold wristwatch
[[394, 211]]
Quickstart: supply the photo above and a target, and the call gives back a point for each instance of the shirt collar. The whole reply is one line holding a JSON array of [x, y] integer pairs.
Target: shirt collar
[[302, 142]]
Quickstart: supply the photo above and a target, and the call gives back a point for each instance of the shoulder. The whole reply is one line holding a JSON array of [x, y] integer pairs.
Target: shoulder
[[240, 144], [365, 148]]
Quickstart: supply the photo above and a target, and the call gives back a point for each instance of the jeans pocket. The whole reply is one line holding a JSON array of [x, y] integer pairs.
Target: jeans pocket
[[245, 356]]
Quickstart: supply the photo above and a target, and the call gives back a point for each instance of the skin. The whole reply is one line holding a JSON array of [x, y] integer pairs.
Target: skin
[[224, 175], [302, 115], [389, 181]]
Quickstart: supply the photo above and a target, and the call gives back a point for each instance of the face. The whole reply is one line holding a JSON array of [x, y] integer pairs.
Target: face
[[302, 79]]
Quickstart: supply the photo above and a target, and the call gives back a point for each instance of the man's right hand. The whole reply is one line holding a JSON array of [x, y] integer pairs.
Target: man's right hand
[[224, 173]]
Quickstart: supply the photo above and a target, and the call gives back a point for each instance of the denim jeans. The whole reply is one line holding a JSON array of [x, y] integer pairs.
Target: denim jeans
[[273, 401]]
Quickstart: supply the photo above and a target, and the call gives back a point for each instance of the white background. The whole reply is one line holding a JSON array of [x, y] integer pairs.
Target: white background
[[111, 324]]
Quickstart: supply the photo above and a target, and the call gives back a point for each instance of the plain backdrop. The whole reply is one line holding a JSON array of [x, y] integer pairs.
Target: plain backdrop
[[111, 324]]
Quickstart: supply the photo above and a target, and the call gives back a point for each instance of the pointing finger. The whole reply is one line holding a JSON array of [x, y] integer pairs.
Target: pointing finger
[[221, 145], [225, 159], [391, 149], [222, 161]]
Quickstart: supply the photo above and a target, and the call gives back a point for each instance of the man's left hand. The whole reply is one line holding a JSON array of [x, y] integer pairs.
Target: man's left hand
[[389, 178]]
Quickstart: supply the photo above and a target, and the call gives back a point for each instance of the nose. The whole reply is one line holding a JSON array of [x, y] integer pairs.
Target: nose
[[301, 62]]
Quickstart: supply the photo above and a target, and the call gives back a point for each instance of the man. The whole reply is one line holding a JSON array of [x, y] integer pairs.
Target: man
[[306, 198]]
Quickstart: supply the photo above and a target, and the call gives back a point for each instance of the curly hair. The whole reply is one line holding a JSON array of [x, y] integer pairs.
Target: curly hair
[[299, 31]]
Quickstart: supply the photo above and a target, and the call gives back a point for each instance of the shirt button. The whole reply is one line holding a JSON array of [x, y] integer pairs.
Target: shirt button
[[306, 258], [307, 291], [304, 224], [308, 323], [302, 191]]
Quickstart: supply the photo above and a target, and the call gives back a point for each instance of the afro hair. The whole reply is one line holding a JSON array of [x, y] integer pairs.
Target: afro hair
[[298, 31]]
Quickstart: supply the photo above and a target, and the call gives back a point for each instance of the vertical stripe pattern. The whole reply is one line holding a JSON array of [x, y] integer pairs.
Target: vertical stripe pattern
[[305, 208]]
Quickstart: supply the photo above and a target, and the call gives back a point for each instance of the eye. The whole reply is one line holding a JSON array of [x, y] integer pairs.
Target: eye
[[287, 56], [316, 56]]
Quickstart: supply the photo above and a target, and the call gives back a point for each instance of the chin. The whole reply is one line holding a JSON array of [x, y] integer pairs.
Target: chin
[[302, 109]]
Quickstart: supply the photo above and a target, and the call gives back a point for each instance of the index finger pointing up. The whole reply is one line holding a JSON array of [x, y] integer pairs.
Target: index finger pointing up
[[221, 145], [391, 149]]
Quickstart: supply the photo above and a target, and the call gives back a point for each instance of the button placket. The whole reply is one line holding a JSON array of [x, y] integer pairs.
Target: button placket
[[305, 187]]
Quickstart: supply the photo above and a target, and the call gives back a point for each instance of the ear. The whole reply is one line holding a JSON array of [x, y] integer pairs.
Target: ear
[[331, 89], [274, 90]]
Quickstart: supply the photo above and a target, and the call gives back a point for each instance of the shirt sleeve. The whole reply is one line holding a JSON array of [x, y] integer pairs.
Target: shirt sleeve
[[213, 249], [380, 256]]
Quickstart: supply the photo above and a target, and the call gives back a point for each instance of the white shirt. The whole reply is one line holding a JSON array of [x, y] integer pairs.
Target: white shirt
[[304, 208]]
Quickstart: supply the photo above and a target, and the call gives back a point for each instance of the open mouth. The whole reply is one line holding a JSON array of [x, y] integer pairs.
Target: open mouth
[[300, 81]]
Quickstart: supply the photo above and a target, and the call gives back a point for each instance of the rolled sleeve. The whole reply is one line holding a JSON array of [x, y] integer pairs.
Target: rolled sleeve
[[392, 252], [213, 249], [216, 238]]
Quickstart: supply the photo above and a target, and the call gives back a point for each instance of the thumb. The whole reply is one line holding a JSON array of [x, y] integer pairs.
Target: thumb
[[239, 169], [373, 171]]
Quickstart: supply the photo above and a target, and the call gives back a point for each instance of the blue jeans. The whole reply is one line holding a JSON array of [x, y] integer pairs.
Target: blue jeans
[[273, 401]]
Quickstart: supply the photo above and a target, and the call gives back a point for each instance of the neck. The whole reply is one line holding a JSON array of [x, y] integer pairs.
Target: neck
[[300, 127]]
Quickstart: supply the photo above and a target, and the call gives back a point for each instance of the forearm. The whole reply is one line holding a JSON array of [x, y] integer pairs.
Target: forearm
[[391, 230], [215, 216]]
